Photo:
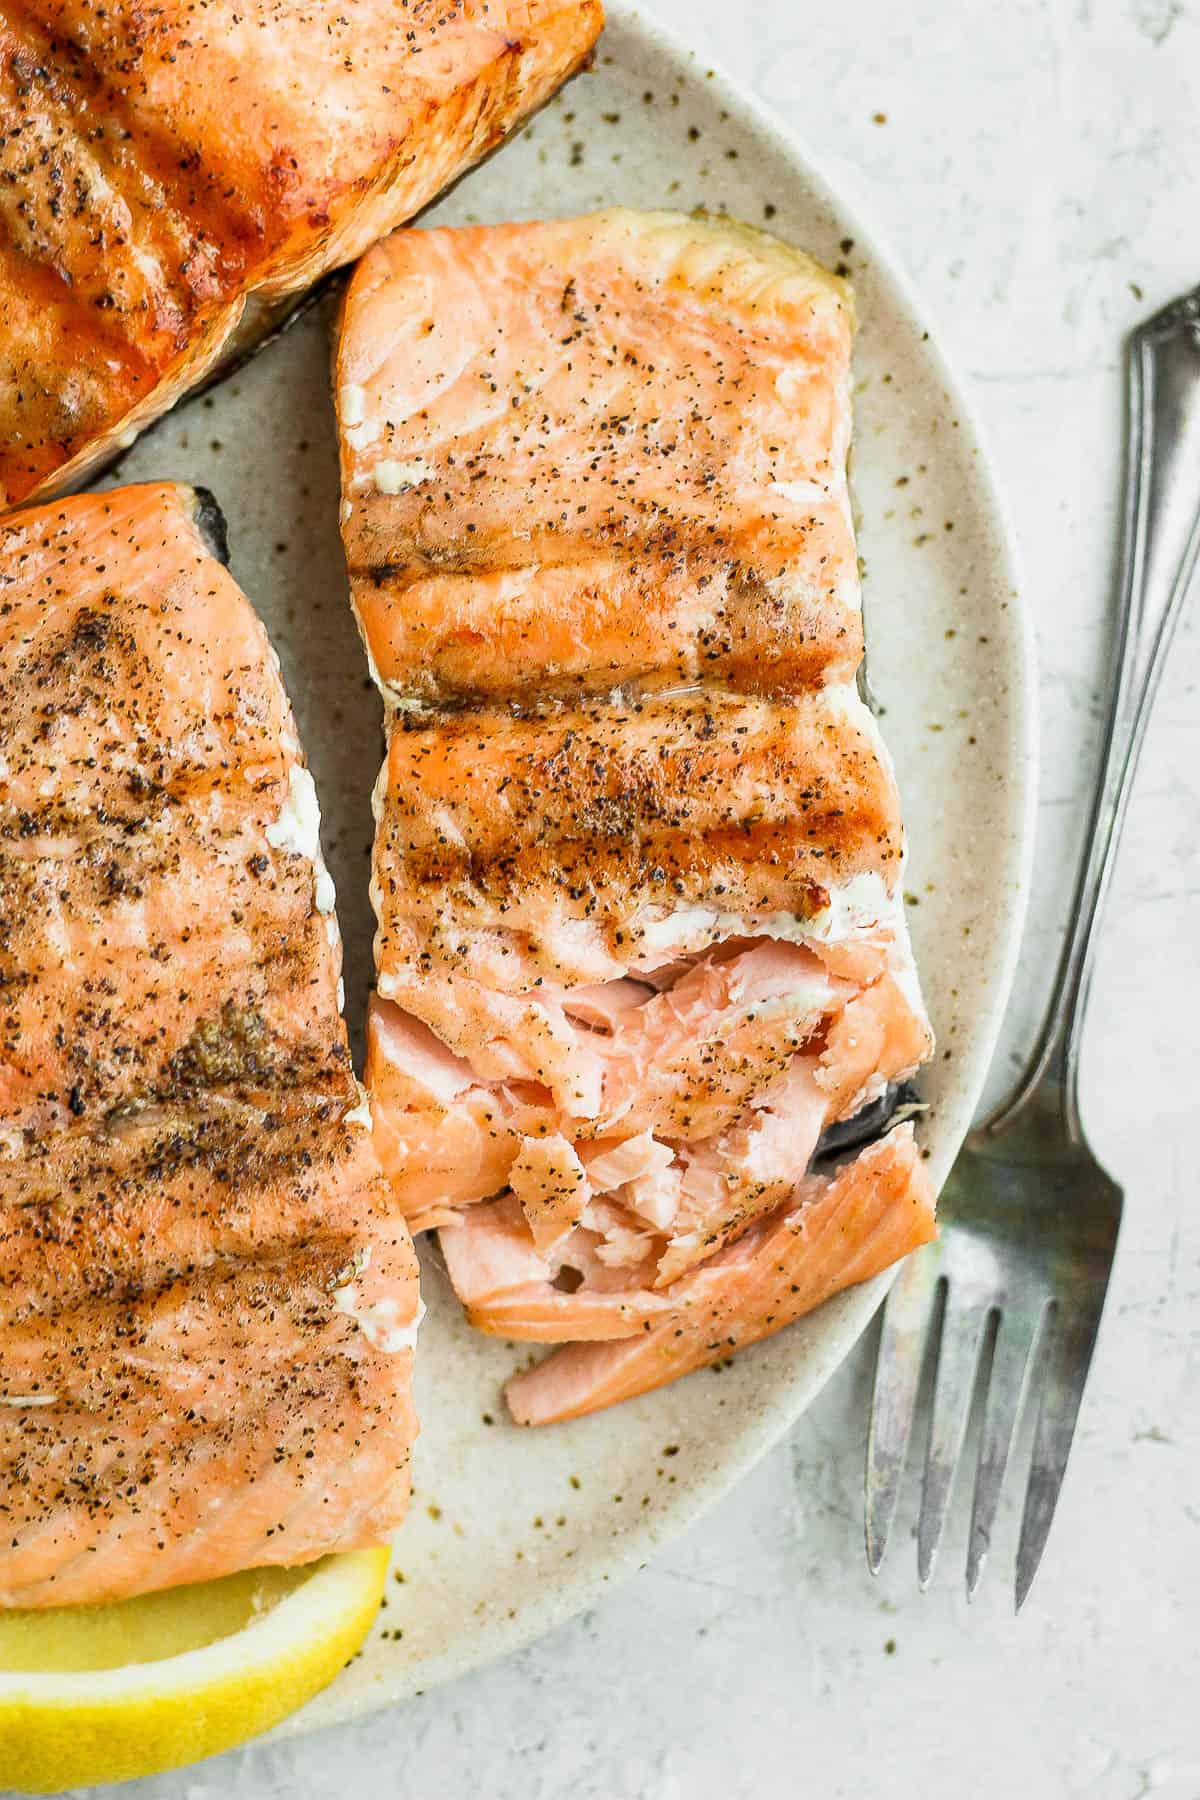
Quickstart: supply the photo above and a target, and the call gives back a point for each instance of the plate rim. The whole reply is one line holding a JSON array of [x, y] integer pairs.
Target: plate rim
[[562, 1602]]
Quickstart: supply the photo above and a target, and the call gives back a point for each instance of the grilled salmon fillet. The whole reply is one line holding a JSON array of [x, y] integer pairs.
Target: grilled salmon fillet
[[207, 1294], [171, 178], [636, 871]]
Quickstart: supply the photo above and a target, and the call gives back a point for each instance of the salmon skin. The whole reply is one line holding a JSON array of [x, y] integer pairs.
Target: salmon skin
[[641, 945], [208, 1296], [175, 177]]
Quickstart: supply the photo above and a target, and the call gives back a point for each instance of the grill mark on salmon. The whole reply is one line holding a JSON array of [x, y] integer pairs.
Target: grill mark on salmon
[[609, 816], [171, 179], [166, 1188], [636, 874], [207, 1294], [668, 414]]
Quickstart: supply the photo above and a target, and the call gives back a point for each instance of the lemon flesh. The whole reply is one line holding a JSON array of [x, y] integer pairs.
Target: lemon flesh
[[105, 1693]]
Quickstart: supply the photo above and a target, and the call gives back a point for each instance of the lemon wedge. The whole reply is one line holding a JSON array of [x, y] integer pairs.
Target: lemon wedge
[[102, 1693]]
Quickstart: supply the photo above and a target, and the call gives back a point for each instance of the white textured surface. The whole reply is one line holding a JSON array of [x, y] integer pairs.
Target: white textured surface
[[1036, 166]]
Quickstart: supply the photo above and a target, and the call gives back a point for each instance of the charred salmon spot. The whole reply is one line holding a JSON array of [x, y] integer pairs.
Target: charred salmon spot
[[381, 573]]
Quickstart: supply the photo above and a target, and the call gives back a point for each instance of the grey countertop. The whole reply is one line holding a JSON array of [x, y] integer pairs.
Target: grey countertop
[[1034, 166]]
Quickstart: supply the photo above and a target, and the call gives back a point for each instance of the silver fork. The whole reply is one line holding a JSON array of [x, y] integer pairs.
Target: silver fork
[[1029, 1219]]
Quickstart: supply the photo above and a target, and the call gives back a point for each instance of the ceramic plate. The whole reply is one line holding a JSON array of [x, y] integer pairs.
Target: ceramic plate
[[512, 1532]]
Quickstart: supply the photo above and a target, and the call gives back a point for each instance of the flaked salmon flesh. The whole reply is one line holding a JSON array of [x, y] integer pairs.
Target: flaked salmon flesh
[[840, 1230], [638, 851], [173, 177], [208, 1296]]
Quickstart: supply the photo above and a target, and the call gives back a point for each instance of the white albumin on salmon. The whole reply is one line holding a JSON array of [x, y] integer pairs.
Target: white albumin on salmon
[[638, 851], [208, 1296]]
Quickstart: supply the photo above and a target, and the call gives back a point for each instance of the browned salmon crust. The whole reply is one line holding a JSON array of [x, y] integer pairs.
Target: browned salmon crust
[[206, 1294], [596, 817], [171, 176]]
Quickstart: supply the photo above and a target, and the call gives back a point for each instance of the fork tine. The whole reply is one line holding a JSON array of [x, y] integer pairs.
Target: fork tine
[[1068, 1358], [906, 1314], [1007, 1380], [957, 1367]]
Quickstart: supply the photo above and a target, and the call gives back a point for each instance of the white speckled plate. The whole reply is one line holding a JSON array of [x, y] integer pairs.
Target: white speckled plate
[[512, 1532]]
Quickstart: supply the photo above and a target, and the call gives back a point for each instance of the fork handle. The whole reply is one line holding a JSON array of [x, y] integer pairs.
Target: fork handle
[[1159, 550]]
